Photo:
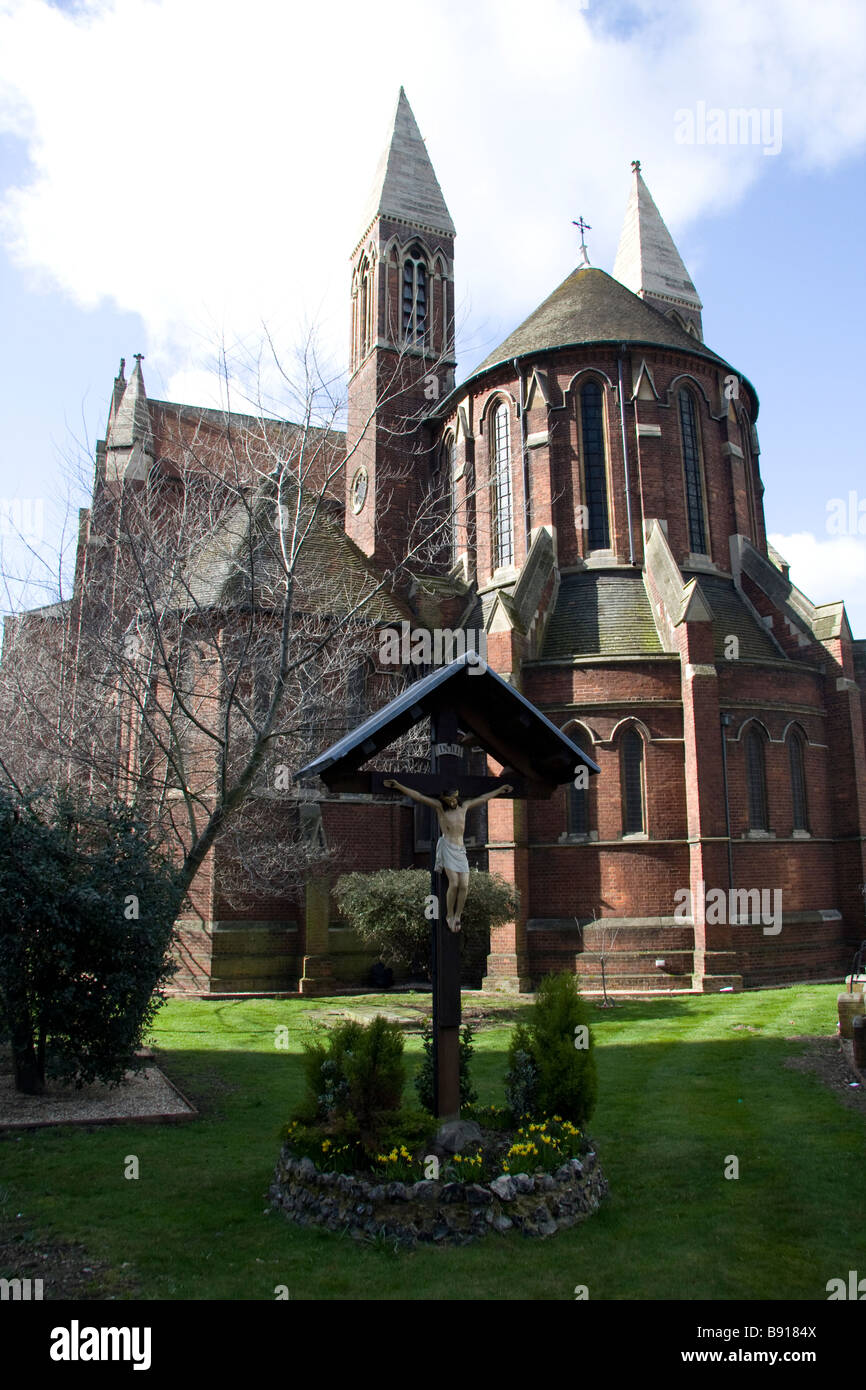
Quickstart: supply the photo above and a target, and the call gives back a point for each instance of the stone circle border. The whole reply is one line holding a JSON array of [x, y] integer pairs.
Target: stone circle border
[[446, 1213]]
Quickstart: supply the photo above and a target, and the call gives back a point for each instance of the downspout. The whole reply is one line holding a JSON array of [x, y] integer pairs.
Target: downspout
[[523, 453], [726, 719], [622, 348]]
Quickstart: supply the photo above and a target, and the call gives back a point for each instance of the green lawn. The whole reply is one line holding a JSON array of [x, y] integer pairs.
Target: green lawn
[[682, 1085]]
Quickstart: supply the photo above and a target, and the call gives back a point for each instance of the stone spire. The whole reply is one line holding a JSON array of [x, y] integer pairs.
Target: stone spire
[[649, 264], [405, 187], [129, 446]]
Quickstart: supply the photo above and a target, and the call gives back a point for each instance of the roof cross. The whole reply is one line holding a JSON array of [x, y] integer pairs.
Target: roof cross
[[582, 227]]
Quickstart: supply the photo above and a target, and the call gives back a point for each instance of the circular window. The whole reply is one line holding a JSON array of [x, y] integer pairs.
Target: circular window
[[360, 483]]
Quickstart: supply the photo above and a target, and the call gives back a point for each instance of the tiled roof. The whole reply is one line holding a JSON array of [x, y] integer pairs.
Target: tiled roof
[[332, 574], [591, 307], [731, 617], [603, 613]]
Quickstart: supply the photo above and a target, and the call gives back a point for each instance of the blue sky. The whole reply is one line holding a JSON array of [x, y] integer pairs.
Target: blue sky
[[176, 173]]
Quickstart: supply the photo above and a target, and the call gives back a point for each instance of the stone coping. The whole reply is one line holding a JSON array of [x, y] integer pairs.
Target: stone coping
[[433, 1212]]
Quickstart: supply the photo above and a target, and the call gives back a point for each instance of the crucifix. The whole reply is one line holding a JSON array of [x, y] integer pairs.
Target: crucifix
[[536, 758], [582, 227], [454, 793]]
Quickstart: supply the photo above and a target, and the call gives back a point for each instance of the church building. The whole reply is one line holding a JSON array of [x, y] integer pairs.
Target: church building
[[602, 465], [599, 473]]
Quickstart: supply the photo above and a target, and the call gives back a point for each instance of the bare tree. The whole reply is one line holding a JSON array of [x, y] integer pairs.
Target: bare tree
[[605, 937], [220, 626]]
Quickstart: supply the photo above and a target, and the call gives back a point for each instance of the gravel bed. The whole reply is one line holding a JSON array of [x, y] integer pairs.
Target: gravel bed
[[144, 1095]]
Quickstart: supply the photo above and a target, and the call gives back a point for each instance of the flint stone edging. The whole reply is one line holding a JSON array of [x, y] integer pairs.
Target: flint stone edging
[[442, 1213]]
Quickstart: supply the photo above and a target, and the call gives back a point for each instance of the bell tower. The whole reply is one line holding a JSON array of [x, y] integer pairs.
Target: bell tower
[[402, 347]]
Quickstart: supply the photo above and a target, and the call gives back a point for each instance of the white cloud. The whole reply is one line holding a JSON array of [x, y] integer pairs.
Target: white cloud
[[828, 570], [204, 164]]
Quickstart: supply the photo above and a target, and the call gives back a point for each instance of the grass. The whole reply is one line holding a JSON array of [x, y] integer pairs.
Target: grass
[[683, 1084]]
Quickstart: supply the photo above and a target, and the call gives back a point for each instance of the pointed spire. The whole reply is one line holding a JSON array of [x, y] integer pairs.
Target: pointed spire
[[117, 392], [405, 186], [129, 434], [648, 262]]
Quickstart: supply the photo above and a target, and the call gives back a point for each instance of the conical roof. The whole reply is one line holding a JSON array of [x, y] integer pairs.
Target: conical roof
[[405, 186], [647, 260], [592, 307]]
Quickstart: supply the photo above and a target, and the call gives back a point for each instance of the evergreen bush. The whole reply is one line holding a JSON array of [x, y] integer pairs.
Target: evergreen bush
[[424, 1075], [387, 910], [87, 908], [549, 1072], [355, 1078]]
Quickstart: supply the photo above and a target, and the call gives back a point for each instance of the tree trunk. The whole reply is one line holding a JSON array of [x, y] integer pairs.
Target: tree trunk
[[29, 1075]]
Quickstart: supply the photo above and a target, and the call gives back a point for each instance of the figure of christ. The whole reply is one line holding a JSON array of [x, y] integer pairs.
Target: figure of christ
[[450, 851]]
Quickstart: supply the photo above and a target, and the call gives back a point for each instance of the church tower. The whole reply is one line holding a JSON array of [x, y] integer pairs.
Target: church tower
[[402, 348]]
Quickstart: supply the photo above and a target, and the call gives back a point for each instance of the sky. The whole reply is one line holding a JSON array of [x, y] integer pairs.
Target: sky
[[182, 177]]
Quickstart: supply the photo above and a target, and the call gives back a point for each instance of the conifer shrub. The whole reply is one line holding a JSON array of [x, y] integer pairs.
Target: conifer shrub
[[549, 1071], [355, 1078], [424, 1075]]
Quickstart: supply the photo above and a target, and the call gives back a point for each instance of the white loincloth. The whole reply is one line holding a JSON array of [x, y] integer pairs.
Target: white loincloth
[[451, 856]]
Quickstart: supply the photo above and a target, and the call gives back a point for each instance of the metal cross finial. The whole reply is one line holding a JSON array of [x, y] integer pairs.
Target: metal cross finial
[[582, 227], [139, 356], [635, 164]]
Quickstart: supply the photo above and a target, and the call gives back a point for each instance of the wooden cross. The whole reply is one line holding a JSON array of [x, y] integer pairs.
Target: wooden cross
[[446, 772]]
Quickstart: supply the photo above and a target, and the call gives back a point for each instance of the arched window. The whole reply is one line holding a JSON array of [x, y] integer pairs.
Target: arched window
[[633, 789], [450, 462], [594, 465], [750, 478], [756, 779], [414, 295], [500, 473], [797, 760], [365, 308], [692, 471], [578, 819]]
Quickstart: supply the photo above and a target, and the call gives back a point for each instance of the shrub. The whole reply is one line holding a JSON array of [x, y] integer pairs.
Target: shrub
[[386, 909], [547, 1072], [87, 907], [356, 1077], [521, 1082], [424, 1075]]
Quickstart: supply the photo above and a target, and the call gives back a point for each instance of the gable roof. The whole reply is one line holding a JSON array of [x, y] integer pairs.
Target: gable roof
[[505, 724]]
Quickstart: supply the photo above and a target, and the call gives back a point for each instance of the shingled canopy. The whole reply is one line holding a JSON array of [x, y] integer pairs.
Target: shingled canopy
[[504, 724]]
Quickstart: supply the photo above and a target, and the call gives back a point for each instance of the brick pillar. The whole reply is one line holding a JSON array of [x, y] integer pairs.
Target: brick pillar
[[507, 848], [317, 970], [845, 735], [508, 854], [715, 960]]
